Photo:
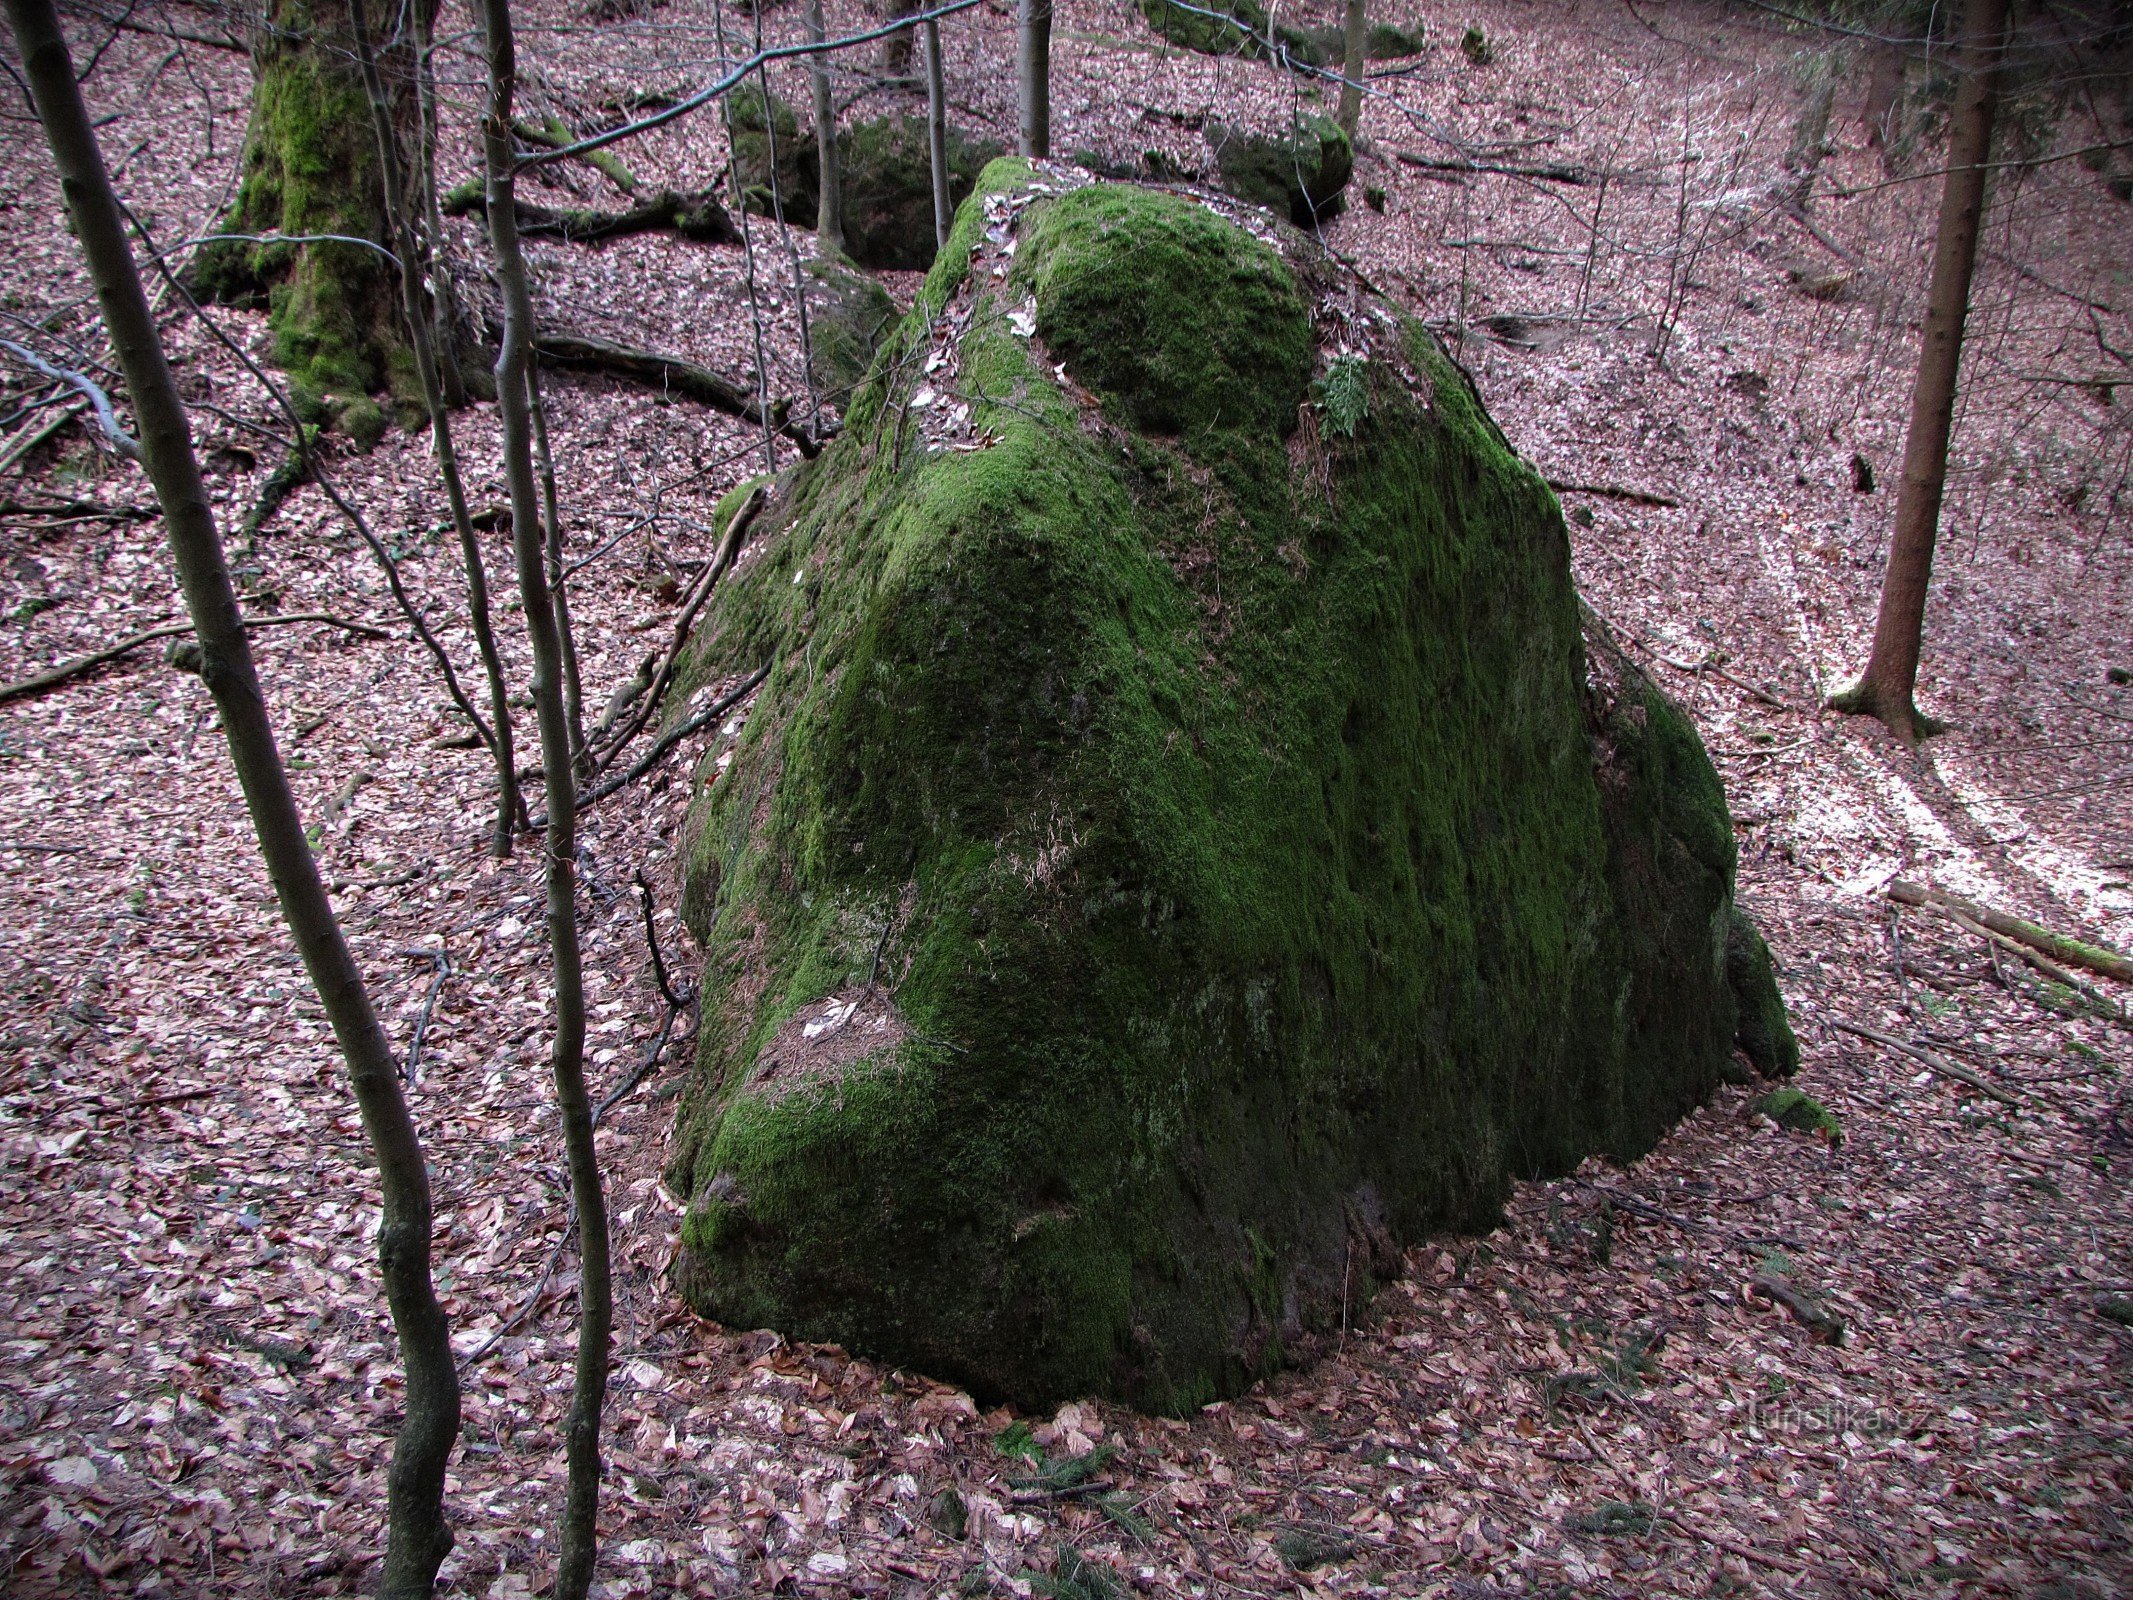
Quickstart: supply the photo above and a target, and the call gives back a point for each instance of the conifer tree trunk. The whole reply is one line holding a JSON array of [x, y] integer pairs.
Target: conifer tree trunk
[[1355, 63], [829, 204], [1886, 689], [578, 1545], [1034, 74], [418, 1537], [311, 168]]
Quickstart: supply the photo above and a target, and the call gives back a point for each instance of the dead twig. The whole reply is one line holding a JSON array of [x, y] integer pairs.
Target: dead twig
[[684, 620], [1615, 491], [1927, 1059]]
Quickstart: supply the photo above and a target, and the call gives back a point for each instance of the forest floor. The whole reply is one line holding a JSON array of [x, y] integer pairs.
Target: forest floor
[[1595, 1399]]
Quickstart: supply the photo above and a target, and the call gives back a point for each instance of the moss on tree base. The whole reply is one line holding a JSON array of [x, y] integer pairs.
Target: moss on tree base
[[310, 168], [1181, 853]]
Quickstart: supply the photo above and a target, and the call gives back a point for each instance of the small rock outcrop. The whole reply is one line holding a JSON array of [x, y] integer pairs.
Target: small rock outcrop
[[1188, 845], [886, 171], [1302, 175]]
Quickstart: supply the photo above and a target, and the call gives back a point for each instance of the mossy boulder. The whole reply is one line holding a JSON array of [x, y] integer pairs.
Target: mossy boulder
[[1302, 174], [1180, 854], [886, 170], [1245, 28], [849, 314]]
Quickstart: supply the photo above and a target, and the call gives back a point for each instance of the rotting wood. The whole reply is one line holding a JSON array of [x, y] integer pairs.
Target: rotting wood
[[575, 351], [1826, 1325], [2075, 952], [1616, 491]]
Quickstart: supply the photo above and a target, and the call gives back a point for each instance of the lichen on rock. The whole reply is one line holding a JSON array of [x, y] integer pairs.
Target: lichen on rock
[[1181, 852]]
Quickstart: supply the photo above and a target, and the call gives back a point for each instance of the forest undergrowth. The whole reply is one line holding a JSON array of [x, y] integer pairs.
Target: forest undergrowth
[[1758, 1361]]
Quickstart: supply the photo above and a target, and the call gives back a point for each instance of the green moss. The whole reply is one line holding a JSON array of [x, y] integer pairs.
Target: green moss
[[309, 168], [1301, 175], [886, 173], [1763, 1032], [1210, 820], [1802, 1113]]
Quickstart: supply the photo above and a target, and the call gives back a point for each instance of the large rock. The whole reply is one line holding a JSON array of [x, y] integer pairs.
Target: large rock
[[1302, 174], [849, 314], [1183, 850], [886, 170]]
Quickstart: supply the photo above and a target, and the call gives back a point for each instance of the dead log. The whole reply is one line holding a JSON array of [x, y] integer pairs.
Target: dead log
[[1806, 1310], [66, 671], [672, 375], [2073, 952], [693, 216]]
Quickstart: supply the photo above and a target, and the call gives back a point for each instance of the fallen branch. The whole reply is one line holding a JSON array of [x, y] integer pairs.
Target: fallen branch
[[1930, 1061], [684, 620], [553, 135], [66, 671], [122, 443], [1613, 491], [1546, 172], [671, 374], [671, 738], [693, 216], [80, 511], [2075, 952], [1807, 1311], [30, 438]]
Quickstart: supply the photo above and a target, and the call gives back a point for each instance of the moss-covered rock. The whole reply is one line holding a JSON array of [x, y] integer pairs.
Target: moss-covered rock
[[887, 174], [1245, 28], [310, 167], [849, 314], [1180, 853], [1764, 1032], [1301, 175]]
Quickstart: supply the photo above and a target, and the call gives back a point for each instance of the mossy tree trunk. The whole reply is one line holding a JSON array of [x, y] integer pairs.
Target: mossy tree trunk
[[311, 169]]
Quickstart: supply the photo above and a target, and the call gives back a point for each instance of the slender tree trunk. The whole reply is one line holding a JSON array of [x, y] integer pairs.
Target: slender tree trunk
[[1355, 63], [1033, 63], [444, 299], [1887, 687], [510, 808], [937, 136], [558, 583], [829, 207], [578, 1545], [418, 1538]]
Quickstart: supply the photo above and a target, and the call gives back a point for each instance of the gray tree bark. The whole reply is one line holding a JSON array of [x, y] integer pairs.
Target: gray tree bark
[[418, 1537], [1355, 63], [829, 206], [1887, 688], [510, 809], [578, 1543], [1033, 62], [937, 136]]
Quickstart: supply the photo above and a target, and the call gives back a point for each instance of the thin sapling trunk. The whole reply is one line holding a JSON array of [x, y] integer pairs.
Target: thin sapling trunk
[[510, 807], [1888, 687], [1355, 39], [1033, 64], [937, 135], [417, 1537], [829, 206], [578, 1546]]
